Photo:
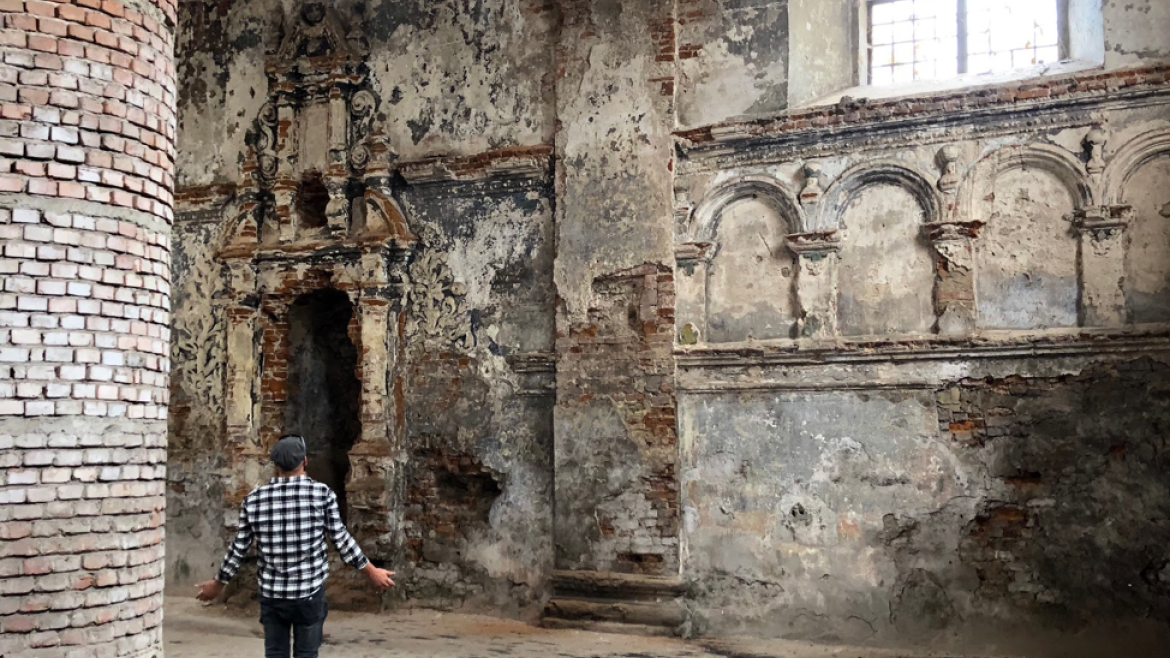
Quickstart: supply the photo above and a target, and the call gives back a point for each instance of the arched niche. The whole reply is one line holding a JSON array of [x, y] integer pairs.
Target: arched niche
[[1138, 175], [749, 289], [324, 393], [1026, 256], [886, 272]]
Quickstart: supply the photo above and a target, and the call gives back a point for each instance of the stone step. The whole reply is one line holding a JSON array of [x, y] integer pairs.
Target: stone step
[[669, 614], [607, 627], [612, 585], [609, 602]]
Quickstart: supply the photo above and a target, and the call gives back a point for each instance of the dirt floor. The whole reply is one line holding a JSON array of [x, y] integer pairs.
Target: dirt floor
[[195, 631]]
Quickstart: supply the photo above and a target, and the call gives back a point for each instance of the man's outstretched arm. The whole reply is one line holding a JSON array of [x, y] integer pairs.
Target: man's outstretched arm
[[210, 589], [348, 547]]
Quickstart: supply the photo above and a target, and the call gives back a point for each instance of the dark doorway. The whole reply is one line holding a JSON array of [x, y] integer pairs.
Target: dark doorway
[[324, 395]]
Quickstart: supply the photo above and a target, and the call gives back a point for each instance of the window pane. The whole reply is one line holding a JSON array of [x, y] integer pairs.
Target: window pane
[[1003, 35], [916, 38]]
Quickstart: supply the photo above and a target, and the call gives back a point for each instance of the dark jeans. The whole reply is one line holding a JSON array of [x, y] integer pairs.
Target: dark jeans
[[306, 618]]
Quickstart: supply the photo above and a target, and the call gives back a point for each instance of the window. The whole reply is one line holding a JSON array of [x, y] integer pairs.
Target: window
[[913, 40]]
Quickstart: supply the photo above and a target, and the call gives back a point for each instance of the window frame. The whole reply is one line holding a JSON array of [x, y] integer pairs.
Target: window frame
[[865, 34]]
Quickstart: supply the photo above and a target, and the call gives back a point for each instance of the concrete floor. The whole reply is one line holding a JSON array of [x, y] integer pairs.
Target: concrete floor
[[195, 631]]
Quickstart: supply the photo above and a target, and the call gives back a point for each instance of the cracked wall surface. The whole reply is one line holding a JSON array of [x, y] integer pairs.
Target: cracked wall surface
[[628, 299]]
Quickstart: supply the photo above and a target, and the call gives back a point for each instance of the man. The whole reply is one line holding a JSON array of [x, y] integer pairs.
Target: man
[[290, 517]]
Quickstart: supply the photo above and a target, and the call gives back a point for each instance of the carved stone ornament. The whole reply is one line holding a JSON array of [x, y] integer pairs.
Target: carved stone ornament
[[1095, 148], [317, 32], [948, 162], [952, 242], [197, 344], [948, 231], [437, 308], [815, 245], [266, 162], [1102, 222], [361, 113], [811, 193]]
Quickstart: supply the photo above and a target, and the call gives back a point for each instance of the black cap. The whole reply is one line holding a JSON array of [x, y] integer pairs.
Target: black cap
[[289, 452]]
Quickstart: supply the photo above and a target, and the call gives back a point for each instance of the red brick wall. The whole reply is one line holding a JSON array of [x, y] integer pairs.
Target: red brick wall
[[87, 130], [623, 356]]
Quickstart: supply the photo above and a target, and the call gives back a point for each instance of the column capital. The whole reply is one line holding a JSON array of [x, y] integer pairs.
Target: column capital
[[814, 245], [949, 231], [1103, 222]]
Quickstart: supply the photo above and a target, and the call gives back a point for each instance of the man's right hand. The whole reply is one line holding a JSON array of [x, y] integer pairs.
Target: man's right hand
[[381, 578], [209, 590]]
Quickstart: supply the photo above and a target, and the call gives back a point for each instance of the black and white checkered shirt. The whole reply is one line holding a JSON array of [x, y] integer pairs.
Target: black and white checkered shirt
[[290, 519]]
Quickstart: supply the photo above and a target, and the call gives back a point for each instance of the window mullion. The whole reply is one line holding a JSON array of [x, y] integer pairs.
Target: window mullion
[[961, 25]]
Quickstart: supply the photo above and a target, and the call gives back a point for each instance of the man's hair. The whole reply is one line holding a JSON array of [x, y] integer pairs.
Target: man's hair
[[289, 452]]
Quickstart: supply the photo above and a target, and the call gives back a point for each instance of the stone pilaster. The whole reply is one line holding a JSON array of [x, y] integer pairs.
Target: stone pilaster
[[816, 282], [1102, 264], [954, 284]]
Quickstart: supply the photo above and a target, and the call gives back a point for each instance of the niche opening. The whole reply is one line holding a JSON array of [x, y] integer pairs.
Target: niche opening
[[324, 394]]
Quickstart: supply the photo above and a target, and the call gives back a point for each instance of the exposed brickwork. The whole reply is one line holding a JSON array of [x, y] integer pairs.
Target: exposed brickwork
[[855, 113], [1050, 540], [87, 129], [623, 356], [87, 104]]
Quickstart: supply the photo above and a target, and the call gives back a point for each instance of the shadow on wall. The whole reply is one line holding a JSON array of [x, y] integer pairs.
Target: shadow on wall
[[323, 389]]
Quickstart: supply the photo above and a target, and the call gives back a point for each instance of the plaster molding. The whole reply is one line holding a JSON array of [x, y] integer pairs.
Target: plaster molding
[[788, 138], [1058, 162], [886, 171], [704, 222], [1131, 157]]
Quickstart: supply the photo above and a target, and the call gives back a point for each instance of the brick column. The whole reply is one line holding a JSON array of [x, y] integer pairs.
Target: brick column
[[1102, 266], [954, 282], [816, 282], [87, 126]]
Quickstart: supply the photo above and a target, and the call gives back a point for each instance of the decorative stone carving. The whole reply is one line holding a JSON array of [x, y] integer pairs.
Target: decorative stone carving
[[437, 308], [1102, 256], [197, 342], [949, 240], [811, 193], [318, 32], [361, 112], [1095, 148], [1104, 222], [948, 162], [266, 162]]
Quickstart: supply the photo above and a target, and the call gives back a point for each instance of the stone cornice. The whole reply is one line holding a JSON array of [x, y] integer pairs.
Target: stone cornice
[[891, 123], [500, 171], [1055, 343]]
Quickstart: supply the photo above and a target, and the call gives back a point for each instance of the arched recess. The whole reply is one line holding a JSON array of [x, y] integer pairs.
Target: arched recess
[[324, 393], [749, 288], [1138, 175], [1026, 256], [886, 273], [769, 191], [884, 172]]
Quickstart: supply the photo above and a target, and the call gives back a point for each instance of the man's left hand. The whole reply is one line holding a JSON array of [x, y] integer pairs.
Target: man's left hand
[[208, 591]]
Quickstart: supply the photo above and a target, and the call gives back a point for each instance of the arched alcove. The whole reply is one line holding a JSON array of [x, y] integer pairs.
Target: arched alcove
[[1027, 253], [751, 279], [1147, 266], [324, 393], [886, 273]]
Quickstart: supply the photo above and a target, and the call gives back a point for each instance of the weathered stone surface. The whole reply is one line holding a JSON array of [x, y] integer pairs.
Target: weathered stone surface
[[626, 298]]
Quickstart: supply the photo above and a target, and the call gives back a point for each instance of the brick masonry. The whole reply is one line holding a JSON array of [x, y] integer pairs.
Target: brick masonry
[[621, 358], [87, 127]]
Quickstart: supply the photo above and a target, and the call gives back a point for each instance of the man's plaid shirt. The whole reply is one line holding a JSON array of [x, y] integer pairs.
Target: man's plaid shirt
[[290, 518]]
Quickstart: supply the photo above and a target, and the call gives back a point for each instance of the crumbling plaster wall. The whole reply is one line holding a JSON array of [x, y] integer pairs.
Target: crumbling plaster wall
[[933, 469], [457, 79], [1134, 32], [471, 350]]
